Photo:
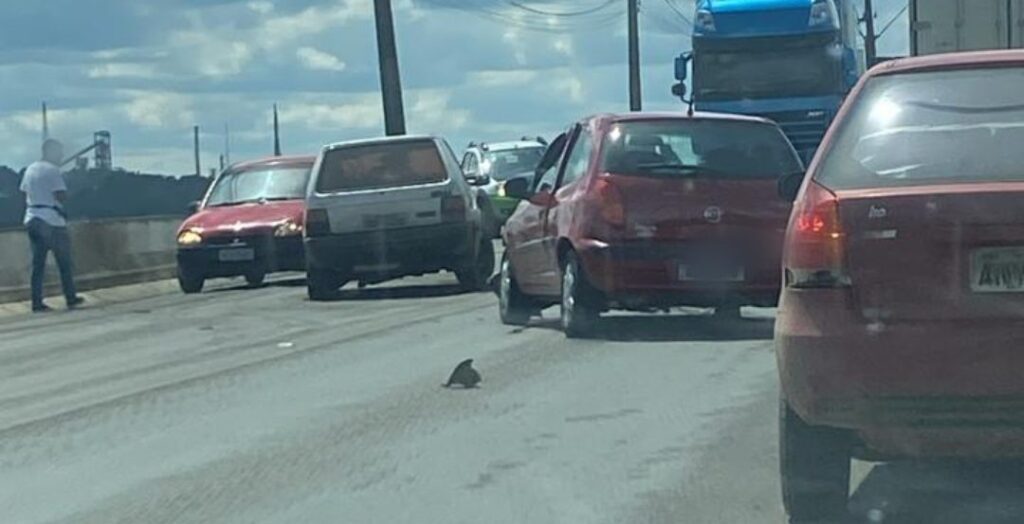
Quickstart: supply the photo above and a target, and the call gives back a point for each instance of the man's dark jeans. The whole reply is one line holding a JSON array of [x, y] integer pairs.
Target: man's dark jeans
[[46, 238]]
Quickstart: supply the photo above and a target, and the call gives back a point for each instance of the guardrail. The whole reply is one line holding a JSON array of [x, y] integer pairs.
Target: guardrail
[[107, 252]]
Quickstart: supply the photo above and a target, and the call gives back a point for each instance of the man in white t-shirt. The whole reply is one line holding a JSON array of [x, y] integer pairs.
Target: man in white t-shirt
[[46, 221]]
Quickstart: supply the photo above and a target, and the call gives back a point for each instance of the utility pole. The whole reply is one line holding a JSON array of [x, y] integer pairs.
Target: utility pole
[[277, 134], [195, 139], [46, 124], [634, 56], [227, 144], [390, 81], [870, 39]]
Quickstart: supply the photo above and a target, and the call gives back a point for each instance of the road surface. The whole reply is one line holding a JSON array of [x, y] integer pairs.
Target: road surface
[[255, 405]]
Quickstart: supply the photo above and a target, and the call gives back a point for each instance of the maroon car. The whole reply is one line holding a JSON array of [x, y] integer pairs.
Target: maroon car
[[641, 210], [900, 332], [249, 224]]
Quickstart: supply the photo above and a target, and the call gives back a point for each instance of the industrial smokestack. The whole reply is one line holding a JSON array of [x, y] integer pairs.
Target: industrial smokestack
[[195, 138], [277, 134], [46, 124]]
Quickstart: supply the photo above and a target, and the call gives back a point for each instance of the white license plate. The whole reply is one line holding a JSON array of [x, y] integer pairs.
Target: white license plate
[[711, 273], [997, 270], [244, 254]]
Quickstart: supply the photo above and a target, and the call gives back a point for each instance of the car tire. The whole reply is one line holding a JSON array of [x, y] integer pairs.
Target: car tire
[[580, 305], [255, 278], [814, 463], [514, 307], [190, 281], [475, 274], [322, 284]]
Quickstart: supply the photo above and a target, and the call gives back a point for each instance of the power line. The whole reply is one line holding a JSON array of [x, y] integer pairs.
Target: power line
[[893, 20], [592, 10], [679, 12], [538, 22]]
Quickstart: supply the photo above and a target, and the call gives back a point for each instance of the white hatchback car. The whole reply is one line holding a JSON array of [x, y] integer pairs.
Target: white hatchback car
[[387, 208]]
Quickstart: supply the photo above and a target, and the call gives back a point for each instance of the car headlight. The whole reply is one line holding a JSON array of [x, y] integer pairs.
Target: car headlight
[[823, 12], [190, 237], [287, 229], [705, 21], [501, 190]]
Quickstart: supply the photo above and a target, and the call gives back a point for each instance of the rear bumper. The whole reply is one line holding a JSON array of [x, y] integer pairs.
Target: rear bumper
[[919, 389], [647, 274], [271, 254], [394, 251]]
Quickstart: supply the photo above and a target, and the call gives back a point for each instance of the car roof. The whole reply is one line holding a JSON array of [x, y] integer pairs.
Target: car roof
[[291, 160], [505, 146], [677, 115], [379, 140], [963, 60]]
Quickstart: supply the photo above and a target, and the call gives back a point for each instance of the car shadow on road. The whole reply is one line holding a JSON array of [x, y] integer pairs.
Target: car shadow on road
[[941, 493], [674, 328], [400, 292]]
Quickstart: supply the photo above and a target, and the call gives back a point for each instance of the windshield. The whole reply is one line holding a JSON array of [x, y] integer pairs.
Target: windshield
[[708, 148], [932, 128], [767, 72], [259, 184], [500, 165]]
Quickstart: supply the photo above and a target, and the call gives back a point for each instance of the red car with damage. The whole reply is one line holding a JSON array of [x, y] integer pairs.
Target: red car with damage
[[249, 223], [647, 211], [900, 331]]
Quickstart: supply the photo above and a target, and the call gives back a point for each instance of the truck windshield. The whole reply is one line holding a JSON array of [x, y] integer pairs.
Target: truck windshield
[[932, 128], [260, 184], [378, 166], [705, 148], [771, 73]]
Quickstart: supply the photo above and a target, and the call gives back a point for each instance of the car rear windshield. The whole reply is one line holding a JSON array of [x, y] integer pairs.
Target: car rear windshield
[[699, 148], [259, 184], [500, 165], [383, 165], [931, 128]]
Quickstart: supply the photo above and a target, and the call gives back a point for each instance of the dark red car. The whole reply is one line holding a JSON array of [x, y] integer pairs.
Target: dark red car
[[900, 332], [642, 211], [249, 224]]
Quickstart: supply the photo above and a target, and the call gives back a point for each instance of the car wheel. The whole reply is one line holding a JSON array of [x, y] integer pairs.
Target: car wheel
[[475, 274], [513, 306], [190, 281], [322, 284], [255, 278], [580, 306], [815, 468]]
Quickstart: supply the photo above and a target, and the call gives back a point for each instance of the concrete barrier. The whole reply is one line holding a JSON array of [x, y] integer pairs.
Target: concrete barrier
[[106, 253]]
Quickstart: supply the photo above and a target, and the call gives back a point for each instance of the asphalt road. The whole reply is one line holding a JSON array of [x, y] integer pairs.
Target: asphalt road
[[255, 405]]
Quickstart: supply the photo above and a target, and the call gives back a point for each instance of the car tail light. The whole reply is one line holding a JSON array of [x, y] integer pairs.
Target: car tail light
[[317, 223], [815, 250], [610, 202], [453, 208]]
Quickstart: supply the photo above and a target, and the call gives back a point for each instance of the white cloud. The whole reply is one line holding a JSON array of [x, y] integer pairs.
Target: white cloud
[[123, 70], [210, 55], [572, 86], [153, 109], [318, 60], [362, 112], [261, 6], [430, 112], [487, 79]]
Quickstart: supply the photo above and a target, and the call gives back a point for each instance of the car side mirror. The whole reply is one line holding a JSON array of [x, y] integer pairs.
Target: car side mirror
[[478, 180], [193, 207], [789, 185], [518, 188]]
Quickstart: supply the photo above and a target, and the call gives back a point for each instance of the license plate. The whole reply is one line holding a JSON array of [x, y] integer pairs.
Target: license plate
[[388, 220], [997, 270], [237, 255], [711, 273]]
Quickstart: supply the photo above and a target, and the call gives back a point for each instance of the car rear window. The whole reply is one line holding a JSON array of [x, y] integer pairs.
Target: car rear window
[[695, 147], [382, 165], [957, 126]]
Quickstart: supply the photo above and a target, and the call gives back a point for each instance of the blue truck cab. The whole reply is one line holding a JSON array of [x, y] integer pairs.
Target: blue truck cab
[[791, 61]]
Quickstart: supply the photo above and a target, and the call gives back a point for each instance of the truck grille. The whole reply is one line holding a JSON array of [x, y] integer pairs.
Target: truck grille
[[804, 129]]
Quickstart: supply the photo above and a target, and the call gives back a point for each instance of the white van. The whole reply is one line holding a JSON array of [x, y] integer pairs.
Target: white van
[[387, 208]]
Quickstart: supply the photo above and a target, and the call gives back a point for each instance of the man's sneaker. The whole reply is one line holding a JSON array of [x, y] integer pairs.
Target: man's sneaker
[[75, 302], [41, 308]]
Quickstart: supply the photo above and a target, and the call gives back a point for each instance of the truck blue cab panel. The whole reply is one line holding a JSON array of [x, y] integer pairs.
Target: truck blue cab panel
[[791, 61]]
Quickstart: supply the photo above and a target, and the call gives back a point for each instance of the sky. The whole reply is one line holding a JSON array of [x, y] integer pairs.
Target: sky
[[148, 70]]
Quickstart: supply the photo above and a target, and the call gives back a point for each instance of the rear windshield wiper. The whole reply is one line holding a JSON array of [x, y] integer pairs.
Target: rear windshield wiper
[[685, 168]]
